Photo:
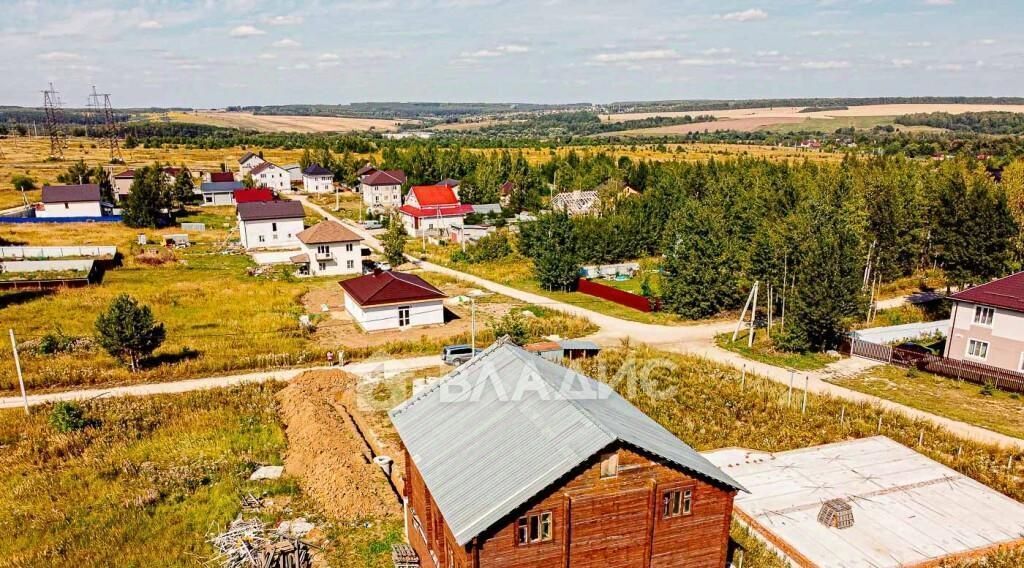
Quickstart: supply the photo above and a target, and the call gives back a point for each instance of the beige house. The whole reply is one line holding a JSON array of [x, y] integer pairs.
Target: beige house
[[329, 249], [987, 324]]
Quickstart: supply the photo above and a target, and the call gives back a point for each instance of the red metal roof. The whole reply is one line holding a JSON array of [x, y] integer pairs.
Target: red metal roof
[[385, 177], [438, 211], [222, 176], [389, 287], [1007, 293], [127, 174], [262, 166], [253, 195], [434, 195]]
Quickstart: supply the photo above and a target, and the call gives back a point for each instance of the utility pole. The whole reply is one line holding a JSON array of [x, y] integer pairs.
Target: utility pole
[[55, 122], [472, 325], [753, 316], [17, 366]]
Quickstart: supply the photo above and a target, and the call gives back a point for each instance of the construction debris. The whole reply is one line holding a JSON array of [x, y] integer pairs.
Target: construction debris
[[248, 544], [267, 472], [403, 556], [295, 528]]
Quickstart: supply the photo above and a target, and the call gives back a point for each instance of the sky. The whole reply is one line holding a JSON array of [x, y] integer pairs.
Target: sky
[[214, 53]]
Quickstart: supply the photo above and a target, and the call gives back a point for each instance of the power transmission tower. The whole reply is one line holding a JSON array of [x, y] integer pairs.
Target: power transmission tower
[[55, 122], [103, 111]]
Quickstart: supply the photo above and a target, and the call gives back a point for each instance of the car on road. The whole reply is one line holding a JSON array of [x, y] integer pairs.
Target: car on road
[[457, 354], [372, 225]]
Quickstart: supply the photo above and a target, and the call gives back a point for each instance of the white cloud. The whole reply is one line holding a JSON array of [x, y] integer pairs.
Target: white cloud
[[717, 51], [901, 63], [768, 53], [328, 57], [987, 41], [825, 65], [59, 56], [286, 20], [245, 31], [495, 52], [150, 25], [513, 48], [919, 44], [750, 15], [286, 43], [939, 2], [266, 56], [632, 56], [705, 62], [954, 67]]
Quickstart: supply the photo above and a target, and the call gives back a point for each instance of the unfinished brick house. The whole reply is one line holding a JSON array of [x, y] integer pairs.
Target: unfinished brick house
[[512, 460]]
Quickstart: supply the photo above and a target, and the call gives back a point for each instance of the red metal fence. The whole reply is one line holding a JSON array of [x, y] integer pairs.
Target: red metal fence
[[628, 299], [971, 372]]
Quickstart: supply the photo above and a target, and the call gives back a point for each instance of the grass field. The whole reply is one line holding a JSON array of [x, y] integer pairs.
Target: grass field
[[999, 411], [869, 111], [764, 350], [282, 123]]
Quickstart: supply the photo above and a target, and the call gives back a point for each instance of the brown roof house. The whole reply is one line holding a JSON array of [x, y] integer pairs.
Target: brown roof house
[[987, 324], [70, 201], [514, 461], [329, 249], [386, 299], [270, 224], [382, 188]]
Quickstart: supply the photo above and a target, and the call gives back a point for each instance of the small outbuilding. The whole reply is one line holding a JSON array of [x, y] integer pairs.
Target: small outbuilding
[[386, 299], [220, 192]]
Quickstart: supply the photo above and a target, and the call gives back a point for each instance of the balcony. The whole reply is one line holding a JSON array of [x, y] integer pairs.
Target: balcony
[[321, 255]]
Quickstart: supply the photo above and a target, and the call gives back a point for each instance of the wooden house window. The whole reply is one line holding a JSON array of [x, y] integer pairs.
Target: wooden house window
[[533, 529], [610, 465], [677, 503]]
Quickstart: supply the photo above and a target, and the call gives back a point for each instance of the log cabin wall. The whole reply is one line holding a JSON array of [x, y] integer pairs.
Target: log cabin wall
[[429, 535]]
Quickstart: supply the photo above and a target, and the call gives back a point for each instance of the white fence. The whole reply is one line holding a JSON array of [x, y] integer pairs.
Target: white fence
[[905, 332], [16, 266], [57, 252]]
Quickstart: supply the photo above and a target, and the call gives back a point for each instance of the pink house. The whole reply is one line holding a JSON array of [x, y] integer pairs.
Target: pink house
[[987, 324]]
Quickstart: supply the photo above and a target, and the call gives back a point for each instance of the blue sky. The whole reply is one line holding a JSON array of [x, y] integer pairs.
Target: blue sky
[[215, 53]]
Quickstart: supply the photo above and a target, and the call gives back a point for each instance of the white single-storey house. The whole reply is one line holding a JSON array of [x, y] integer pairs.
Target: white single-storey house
[[317, 179], [393, 300], [220, 192], [271, 175], [329, 249], [270, 224], [247, 163], [431, 209], [70, 201], [382, 189]]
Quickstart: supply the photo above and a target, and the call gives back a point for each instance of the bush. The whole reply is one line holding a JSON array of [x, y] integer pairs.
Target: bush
[[67, 417], [55, 342], [494, 246], [513, 324]]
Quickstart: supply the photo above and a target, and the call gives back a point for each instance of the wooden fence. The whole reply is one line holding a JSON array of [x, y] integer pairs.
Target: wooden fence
[[622, 297], [969, 371]]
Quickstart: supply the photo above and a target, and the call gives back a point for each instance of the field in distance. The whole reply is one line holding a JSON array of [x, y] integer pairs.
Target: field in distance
[[280, 123]]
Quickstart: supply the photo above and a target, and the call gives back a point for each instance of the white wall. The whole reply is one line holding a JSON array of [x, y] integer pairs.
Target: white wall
[[382, 195], [249, 164], [79, 209], [377, 318], [346, 258], [275, 178], [224, 198], [122, 187], [1005, 336], [317, 184], [429, 224], [271, 233]]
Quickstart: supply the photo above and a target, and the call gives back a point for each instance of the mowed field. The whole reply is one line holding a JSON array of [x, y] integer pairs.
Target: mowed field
[[790, 118], [682, 152], [284, 123]]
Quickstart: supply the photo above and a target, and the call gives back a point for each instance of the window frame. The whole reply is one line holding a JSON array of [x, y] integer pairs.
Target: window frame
[[540, 523], [984, 316], [684, 501], [971, 342], [408, 316]]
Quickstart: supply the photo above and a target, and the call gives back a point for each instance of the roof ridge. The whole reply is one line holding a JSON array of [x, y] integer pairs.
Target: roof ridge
[[955, 294]]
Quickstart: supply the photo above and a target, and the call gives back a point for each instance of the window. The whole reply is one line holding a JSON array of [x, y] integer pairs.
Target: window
[[262, 239], [348, 247], [977, 349], [676, 503], [322, 265], [532, 529], [983, 315], [67, 206], [610, 465], [273, 227], [403, 316], [350, 264], [323, 249]]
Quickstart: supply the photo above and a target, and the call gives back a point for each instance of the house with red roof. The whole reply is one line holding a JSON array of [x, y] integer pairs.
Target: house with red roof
[[382, 189], [385, 299], [987, 324], [219, 177], [253, 195], [432, 209]]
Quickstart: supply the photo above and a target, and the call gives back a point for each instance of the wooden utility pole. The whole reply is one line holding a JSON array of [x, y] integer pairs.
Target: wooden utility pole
[[753, 315], [472, 325], [743, 314], [17, 366]]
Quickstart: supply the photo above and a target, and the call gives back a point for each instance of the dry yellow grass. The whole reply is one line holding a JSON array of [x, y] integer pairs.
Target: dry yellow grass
[[794, 112], [285, 123], [683, 152]]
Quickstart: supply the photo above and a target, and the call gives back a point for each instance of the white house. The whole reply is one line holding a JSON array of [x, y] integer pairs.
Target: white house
[[329, 249], [247, 162], [393, 300], [432, 209], [270, 224], [317, 179], [271, 175], [382, 188], [70, 201]]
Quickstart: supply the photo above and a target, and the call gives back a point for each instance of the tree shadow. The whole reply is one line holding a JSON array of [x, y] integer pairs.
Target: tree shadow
[[16, 297], [182, 355]]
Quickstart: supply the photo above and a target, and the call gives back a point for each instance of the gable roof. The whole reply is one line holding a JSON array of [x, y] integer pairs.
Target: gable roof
[[450, 182], [434, 195], [71, 193], [127, 174], [327, 232], [222, 176], [268, 210], [390, 287], [367, 169], [253, 195], [483, 451], [317, 170], [437, 211], [247, 156], [262, 166], [385, 177], [1006, 293], [220, 186]]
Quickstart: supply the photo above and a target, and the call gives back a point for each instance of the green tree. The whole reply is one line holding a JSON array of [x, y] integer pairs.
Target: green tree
[[23, 182], [128, 331], [67, 417], [247, 181], [183, 191], [555, 257], [394, 243], [701, 266], [149, 195], [514, 325], [101, 177], [76, 173]]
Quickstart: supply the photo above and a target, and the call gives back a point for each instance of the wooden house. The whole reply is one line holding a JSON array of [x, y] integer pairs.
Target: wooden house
[[514, 461]]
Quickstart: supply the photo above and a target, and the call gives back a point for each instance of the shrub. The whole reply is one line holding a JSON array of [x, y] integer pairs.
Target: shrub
[[513, 324], [67, 417], [492, 247]]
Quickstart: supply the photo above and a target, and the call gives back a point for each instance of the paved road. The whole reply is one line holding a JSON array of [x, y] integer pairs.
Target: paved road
[[363, 368]]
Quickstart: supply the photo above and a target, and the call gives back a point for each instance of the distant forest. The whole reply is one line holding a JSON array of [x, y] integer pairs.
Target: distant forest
[[979, 122], [580, 123], [707, 105]]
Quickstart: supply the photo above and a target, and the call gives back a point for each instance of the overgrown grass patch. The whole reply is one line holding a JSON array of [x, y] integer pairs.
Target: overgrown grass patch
[[765, 351]]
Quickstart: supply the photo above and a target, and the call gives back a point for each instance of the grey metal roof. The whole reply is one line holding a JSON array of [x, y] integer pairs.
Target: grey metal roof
[[579, 345], [486, 208], [503, 427], [220, 186]]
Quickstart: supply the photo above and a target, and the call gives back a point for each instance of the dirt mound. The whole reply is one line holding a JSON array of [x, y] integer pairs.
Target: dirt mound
[[326, 453]]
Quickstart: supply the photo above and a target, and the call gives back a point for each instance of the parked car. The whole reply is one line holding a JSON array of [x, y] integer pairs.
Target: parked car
[[457, 354], [371, 225], [384, 266]]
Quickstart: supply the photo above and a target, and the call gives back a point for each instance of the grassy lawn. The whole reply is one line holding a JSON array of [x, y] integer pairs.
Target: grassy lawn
[[1000, 411], [764, 350], [349, 204], [925, 280]]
